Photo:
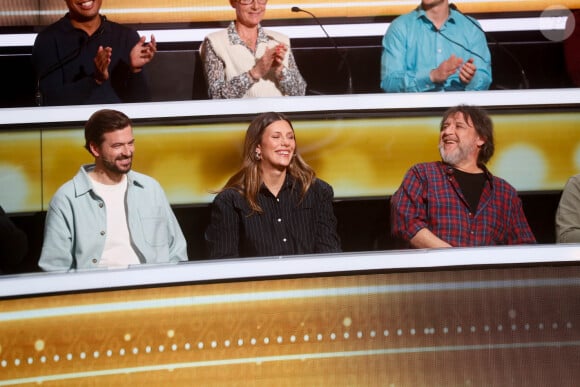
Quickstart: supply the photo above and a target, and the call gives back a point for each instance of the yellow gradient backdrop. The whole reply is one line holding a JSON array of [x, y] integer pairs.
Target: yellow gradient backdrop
[[359, 157]]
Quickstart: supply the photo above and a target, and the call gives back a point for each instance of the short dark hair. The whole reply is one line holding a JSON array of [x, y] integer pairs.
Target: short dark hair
[[101, 122], [483, 126]]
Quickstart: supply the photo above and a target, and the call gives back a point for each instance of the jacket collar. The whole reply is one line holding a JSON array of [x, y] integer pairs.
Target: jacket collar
[[82, 181]]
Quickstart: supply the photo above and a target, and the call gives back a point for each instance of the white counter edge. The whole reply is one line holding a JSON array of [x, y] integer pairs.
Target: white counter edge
[[328, 103], [323, 264]]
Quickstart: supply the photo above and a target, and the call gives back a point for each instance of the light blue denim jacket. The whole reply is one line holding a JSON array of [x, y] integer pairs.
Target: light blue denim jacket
[[75, 230]]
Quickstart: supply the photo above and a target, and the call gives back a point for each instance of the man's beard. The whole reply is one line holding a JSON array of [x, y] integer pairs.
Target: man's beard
[[112, 166], [456, 156]]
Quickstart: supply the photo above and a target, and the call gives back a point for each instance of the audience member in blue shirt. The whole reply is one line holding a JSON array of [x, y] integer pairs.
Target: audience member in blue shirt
[[435, 48]]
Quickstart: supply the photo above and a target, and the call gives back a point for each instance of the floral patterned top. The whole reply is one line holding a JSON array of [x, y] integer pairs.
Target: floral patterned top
[[289, 83]]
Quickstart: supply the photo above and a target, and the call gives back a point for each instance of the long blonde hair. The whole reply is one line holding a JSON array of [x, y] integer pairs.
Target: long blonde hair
[[248, 180]]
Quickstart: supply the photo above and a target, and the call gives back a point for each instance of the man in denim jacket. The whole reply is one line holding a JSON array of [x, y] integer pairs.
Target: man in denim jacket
[[108, 216]]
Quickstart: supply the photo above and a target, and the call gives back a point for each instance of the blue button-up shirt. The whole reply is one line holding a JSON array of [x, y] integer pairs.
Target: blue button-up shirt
[[76, 224], [413, 46]]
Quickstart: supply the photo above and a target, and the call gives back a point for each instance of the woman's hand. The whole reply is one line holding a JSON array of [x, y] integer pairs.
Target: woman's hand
[[279, 55], [272, 59]]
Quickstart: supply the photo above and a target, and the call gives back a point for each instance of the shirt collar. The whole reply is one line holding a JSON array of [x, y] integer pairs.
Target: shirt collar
[[421, 14], [289, 182], [82, 181], [68, 27], [234, 38], [448, 169]]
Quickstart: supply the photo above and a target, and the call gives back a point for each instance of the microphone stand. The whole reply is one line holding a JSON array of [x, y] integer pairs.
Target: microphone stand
[[342, 55], [71, 56], [525, 82]]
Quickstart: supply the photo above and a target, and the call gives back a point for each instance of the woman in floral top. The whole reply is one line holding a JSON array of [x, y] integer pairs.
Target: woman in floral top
[[246, 60]]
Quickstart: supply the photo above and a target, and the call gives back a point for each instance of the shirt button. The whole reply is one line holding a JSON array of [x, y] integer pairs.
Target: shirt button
[[279, 219], [284, 240], [278, 200], [103, 233], [473, 232], [101, 204], [94, 260]]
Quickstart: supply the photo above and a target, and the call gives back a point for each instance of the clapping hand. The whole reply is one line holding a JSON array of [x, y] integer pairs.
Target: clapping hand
[[102, 61], [446, 69], [142, 53], [273, 59], [467, 71]]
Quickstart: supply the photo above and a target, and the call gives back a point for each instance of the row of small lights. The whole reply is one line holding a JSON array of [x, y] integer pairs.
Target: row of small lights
[[306, 338]]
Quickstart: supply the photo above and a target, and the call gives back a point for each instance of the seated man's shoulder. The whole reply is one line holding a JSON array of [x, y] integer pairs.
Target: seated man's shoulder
[[65, 195], [144, 180], [55, 29], [120, 27], [146, 188], [67, 189], [426, 171], [575, 179], [503, 185], [428, 166], [405, 18]]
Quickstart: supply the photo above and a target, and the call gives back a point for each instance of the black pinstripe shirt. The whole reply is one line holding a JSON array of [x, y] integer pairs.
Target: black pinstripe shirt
[[287, 226]]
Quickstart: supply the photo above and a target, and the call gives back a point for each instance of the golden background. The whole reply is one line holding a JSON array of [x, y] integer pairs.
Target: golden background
[[358, 156]]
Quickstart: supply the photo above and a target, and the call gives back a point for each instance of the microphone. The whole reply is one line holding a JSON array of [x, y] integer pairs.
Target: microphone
[[342, 55], [525, 82]]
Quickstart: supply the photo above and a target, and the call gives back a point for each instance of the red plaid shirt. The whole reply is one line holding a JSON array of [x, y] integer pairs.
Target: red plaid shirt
[[430, 197]]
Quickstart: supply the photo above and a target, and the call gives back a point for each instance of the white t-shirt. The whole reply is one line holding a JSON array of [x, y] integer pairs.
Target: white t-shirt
[[118, 251]]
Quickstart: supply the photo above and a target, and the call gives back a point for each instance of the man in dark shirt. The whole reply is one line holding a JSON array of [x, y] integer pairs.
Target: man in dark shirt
[[85, 59], [458, 202]]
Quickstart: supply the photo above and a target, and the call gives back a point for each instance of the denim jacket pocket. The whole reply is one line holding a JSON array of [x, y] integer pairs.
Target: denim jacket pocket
[[155, 230]]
